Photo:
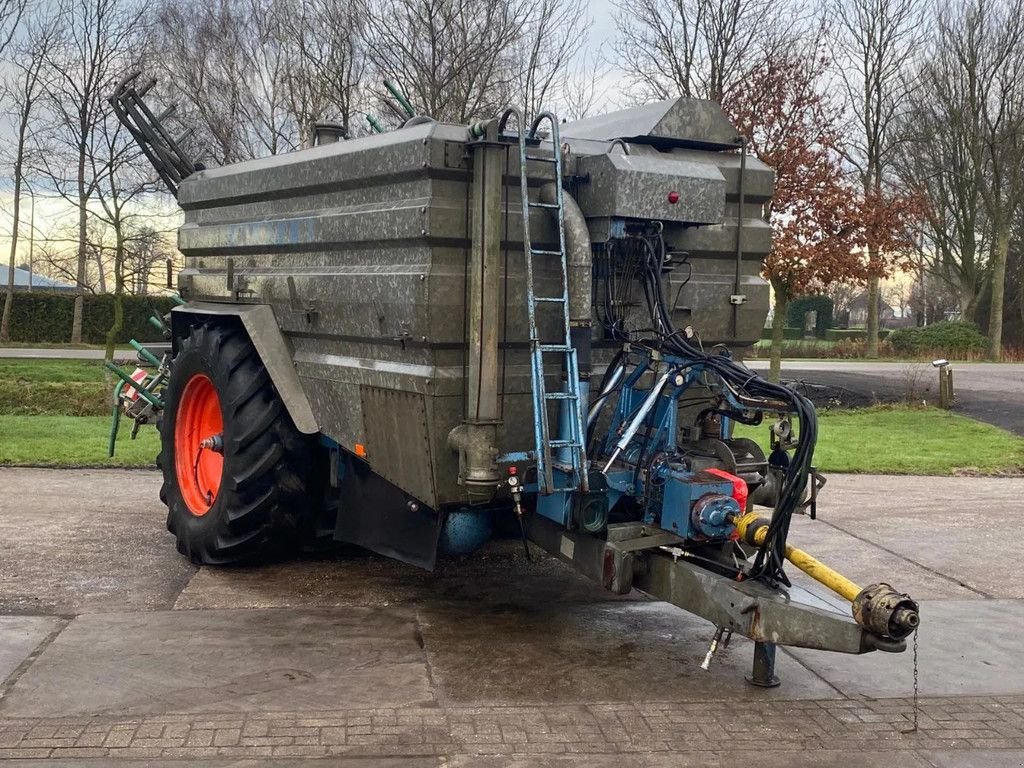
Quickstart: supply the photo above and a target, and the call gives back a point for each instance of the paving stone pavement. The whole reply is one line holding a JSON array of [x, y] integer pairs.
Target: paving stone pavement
[[113, 650], [958, 723]]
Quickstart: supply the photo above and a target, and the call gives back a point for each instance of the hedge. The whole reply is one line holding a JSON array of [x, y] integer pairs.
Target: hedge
[[949, 337], [854, 334], [789, 334], [45, 317], [798, 309]]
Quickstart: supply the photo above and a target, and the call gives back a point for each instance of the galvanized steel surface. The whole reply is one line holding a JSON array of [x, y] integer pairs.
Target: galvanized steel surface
[[361, 250]]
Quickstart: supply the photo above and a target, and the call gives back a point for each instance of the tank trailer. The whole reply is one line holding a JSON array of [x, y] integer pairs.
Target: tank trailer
[[395, 340]]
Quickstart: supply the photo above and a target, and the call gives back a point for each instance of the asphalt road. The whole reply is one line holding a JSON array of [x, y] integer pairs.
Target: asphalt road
[[113, 648], [62, 353], [991, 392]]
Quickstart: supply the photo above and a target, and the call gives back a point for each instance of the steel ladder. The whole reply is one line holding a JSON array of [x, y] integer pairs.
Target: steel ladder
[[571, 446]]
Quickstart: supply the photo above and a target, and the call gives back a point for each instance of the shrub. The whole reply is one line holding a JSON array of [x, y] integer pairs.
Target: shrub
[[840, 334], [949, 337], [798, 308], [44, 317]]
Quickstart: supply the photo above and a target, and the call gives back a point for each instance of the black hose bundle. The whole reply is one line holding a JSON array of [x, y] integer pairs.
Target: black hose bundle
[[746, 385]]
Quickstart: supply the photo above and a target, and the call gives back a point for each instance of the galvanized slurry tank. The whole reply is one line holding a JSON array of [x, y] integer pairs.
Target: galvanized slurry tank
[[361, 248], [393, 339]]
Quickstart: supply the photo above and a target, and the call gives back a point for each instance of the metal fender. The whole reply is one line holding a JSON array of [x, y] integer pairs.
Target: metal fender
[[271, 345]]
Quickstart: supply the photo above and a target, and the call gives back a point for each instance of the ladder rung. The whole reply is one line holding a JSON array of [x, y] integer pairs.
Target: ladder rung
[[560, 396], [554, 348], [550, 299], [542, 252], [542, 159], [563, 444], [543, 205]]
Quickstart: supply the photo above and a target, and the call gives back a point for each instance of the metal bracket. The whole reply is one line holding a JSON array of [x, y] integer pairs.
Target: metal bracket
[[295, 304]]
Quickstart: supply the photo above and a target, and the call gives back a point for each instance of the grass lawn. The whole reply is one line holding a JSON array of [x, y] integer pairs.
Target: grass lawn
[[909, 441], [57, 412], [922, 441], [73, 441]]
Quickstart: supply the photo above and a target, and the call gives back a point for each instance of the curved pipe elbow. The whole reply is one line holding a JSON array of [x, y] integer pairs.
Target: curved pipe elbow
[[579, 257]]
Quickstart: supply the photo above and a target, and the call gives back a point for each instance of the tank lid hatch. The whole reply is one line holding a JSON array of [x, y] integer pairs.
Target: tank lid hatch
[[681, 122]]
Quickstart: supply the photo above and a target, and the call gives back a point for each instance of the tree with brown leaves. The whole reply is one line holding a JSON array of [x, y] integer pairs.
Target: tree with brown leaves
[[790, 126]]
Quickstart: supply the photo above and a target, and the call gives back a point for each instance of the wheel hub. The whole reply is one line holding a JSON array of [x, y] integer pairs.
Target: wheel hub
[[199, 445]]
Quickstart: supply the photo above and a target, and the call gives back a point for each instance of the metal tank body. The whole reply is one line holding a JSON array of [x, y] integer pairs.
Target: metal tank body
[[362, 249]]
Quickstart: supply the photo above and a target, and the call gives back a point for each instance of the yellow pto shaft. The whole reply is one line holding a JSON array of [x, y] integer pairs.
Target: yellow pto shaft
[[878, 608], [813, 567]]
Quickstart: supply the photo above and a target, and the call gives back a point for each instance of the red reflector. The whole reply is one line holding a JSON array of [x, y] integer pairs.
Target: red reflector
[[673, 197], [512, 470]]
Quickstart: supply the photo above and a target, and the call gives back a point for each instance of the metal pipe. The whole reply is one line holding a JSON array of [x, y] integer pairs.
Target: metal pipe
[[579, 259], [737, 284], [476, 438]]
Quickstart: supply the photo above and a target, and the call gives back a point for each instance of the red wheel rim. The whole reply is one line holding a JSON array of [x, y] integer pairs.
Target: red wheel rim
[[199, 469]]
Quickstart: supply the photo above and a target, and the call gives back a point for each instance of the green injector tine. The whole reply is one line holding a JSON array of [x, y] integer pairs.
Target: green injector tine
[[144, 353], [400, 98]]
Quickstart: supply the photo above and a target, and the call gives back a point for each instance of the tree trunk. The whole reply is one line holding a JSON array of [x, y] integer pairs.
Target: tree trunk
[[873, 291], [778, 331], [995, 317], [5, 322], [101, 272], [83, 201], [968, 299], [118, 324]]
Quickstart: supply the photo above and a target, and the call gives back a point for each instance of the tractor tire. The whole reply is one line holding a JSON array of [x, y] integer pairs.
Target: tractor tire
[[236, 471]]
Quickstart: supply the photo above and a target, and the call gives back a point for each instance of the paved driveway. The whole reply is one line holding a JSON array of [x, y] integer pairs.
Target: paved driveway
[[113, 648]]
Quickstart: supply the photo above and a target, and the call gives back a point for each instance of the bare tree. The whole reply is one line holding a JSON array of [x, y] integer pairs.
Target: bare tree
[[873, 45], [586, 85], [553, 38], [251, 77], [84, 64], [965, 147], [456, 59], [325, 65], [121, 178], [24, 87], [146, 251], [1002, 113], [198, 54], [699, 48], [11, 12]]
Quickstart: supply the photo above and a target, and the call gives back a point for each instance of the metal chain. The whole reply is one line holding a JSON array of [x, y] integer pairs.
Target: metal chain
[[917, 707]]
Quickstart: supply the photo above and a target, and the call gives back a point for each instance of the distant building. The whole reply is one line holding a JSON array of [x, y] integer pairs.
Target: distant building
[[859, 311], [38, 282]]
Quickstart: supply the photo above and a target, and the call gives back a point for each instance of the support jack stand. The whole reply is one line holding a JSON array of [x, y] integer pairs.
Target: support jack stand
[[763, 673]]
